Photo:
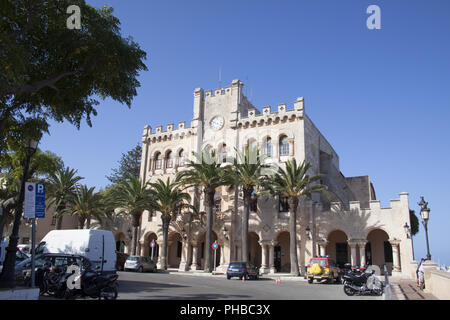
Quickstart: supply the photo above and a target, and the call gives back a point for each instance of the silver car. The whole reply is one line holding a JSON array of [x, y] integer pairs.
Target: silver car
[[140, 264]]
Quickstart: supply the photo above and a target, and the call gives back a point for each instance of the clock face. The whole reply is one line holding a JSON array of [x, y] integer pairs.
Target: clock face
[[217, 123]]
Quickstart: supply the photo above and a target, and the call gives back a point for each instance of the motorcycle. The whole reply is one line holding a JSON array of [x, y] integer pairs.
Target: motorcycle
[[92, 284], [362, 284]]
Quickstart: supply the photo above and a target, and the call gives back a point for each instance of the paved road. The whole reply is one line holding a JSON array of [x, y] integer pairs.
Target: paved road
[[182, 286]]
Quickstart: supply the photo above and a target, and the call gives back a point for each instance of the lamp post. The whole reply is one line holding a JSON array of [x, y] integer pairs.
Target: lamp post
[[308, 232], [225, 232], [407, 230], [425, 215], [7, 278]]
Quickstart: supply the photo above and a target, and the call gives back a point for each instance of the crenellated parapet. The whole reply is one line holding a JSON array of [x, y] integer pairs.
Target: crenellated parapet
[[170, 133], [269, 117]]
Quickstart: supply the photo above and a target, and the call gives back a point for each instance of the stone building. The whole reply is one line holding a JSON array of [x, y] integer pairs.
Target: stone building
[[349, 225]]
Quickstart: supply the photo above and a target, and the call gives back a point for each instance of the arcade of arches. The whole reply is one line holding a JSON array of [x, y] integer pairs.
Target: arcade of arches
[[273, 256]]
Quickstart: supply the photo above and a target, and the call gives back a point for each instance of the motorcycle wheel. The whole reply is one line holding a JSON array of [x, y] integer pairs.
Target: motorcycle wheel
[[68, 295], [349, 291], [43, 288], [111, 289]]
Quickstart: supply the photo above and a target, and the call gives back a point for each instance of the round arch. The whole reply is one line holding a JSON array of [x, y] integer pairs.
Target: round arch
[[282, 259], [337, 247], [378, 249], [254, 248]]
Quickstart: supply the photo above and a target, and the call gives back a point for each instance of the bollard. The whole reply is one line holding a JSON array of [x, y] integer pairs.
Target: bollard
[[278, 281]]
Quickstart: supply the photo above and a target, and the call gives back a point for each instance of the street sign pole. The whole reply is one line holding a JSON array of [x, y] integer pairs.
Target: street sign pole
[[215, 251], [152, 253], [34, 207], [33, 245]]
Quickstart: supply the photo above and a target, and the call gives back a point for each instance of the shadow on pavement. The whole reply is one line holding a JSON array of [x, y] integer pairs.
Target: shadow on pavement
[[127, 286], [205, 296]]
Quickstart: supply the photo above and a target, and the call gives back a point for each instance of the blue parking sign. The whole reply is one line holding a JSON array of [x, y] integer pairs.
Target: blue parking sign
[[34, 200]]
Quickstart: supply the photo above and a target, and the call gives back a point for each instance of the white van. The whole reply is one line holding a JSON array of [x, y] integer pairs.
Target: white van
[[93, 244]]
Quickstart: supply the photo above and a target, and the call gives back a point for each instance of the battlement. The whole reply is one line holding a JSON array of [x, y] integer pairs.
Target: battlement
[[374, 205], [161, 134], [282, 112]]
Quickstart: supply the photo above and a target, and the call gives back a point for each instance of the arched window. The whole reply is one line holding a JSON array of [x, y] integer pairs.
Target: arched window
[[158, 161], [268, 147], [283, 204], [223, 153], [181, 158], [169, 159], [284, 146], [217, 200], [252, 144]]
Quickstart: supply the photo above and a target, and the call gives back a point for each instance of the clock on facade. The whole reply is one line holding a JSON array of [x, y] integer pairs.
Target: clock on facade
[[217, 123]]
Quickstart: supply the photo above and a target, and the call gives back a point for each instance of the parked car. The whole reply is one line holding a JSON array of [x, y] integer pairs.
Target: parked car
[[140, 264], [242, 270], [121, 259], [59, 260], [322, 268]]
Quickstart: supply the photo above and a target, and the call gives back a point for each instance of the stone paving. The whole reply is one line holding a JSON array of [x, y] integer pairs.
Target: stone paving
[[408, 290]]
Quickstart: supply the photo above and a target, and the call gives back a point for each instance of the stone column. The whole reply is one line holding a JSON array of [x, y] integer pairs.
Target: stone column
[[362, 252], [264, 248], [271, 246], [152, 165], [395, 255], [195, 265], [184, 256], [352, 245], [322, 247], [140, 248]]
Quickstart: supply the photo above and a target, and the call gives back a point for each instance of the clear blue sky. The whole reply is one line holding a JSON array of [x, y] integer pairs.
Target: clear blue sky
[[381, 97]]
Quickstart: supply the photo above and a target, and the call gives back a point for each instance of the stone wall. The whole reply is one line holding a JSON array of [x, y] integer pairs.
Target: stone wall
[[439, 284]]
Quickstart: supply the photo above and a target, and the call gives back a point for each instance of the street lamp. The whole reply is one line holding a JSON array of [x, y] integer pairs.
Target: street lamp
[[425, 215], [183, 234], [7, 278], [225, 232], [308, 232], [407, 230]]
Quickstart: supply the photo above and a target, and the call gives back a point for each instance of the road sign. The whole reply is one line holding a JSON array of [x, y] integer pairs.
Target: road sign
[[152, 244], [34, 200], [215, 245]]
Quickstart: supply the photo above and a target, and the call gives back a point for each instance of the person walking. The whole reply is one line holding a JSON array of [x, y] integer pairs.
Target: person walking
[[420, 275]]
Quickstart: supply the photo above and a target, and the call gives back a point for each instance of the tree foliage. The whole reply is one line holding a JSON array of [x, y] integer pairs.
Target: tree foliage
[[48, 71], [414, 222], [129, 166]]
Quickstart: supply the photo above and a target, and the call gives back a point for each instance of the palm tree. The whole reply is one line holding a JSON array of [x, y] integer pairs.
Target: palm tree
[[247, 172], [169, 198], [86, 204], [207, 174], [293, 183], [62, 188], [133, 197]]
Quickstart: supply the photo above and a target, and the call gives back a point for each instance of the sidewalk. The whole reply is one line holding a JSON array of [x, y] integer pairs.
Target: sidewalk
[[408, 290]]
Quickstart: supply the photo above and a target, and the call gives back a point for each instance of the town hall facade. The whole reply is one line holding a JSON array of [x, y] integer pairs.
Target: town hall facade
[[348, 224]]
